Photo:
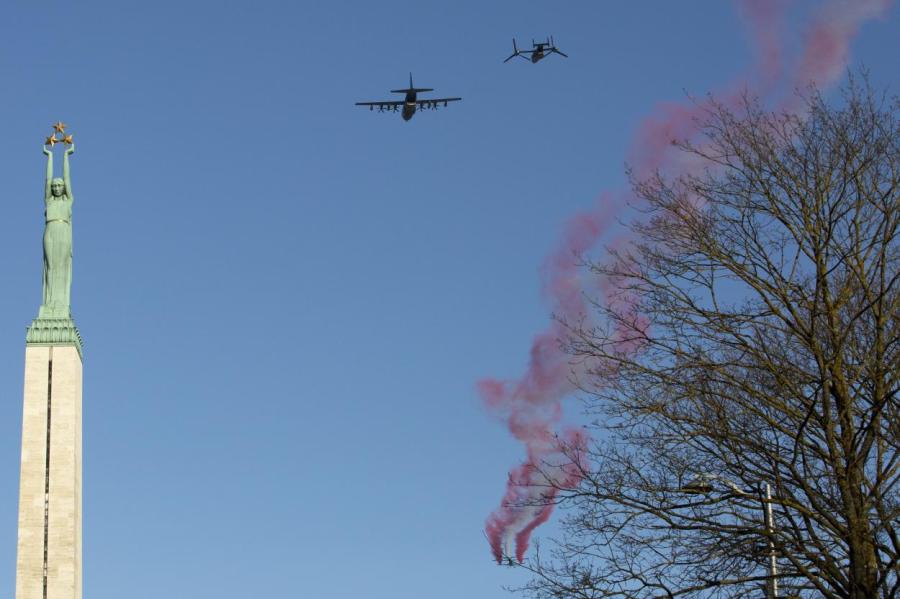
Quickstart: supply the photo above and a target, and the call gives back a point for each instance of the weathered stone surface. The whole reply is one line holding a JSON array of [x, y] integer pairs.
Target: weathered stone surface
[[52, 389]]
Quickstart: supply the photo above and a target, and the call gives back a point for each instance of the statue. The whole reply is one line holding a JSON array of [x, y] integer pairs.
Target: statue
[[57, 232], [54, 324]]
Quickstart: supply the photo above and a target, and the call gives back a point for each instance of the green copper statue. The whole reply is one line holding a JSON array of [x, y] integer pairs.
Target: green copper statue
[[54, 324], [57, 240]]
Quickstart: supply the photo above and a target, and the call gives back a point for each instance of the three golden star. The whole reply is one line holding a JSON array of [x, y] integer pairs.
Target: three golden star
[[59, 127]]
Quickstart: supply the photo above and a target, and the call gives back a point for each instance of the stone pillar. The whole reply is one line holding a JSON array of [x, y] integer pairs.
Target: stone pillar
[[48, 564]]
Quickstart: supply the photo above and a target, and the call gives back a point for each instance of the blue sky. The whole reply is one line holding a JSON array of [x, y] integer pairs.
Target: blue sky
[[286, 300]]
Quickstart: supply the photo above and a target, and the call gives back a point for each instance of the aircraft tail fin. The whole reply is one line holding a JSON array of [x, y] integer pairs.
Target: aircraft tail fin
[[411, 88]]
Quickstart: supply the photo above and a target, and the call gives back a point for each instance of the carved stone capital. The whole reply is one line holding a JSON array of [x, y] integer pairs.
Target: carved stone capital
[[53, 331]]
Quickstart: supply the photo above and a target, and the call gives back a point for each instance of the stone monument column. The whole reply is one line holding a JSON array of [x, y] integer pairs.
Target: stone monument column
[[48, 559]]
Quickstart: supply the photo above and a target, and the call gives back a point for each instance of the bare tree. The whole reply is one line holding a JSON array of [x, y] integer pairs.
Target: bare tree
[[763, 300]]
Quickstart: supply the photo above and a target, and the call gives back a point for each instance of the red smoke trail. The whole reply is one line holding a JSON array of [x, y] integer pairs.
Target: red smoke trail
[[532, 404], [825, 53], [765, 20]]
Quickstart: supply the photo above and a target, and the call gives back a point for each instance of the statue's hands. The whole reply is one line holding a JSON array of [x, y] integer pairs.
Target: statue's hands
[[70, 149], [46, 151]]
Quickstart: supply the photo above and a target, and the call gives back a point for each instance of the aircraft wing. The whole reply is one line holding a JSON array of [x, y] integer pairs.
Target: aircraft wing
[[434, 102], [382, 104]]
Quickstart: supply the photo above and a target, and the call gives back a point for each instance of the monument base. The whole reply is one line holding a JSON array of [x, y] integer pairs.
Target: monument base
[[48, 560]]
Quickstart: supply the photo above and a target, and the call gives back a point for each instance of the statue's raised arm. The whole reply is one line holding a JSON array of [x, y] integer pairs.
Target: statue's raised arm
[[67, 179], [49, 180]]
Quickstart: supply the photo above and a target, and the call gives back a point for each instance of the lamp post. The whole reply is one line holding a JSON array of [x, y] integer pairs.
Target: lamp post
[[703, 485]]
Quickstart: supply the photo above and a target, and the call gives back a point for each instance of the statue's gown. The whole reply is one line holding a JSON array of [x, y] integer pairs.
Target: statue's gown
[[58, 255]]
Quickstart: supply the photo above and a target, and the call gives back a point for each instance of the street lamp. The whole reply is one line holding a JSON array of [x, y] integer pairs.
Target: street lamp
[[703, 485]]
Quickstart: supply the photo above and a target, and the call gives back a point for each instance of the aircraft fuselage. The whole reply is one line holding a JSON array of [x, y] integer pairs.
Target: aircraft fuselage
[[409, 105], [537, 54]]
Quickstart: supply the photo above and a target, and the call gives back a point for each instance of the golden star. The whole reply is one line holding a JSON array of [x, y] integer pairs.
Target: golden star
[[67, 139], [51, 141], [59, 126]]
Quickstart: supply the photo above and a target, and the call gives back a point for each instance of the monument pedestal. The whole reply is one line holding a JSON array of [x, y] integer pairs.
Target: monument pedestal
[[48, 564]]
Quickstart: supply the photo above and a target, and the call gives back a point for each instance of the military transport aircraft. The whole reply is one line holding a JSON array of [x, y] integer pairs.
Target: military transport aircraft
[[539, 50], [410, 103]]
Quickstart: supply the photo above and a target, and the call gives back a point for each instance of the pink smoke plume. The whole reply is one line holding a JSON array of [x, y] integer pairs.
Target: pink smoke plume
[[532, 404]]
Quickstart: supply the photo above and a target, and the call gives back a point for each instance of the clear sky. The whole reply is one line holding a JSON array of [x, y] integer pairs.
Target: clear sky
[[286, 300]]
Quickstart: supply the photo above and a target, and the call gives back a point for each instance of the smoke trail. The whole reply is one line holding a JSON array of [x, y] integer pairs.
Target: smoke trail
[[827, 47], [531, 405], [765, 21]]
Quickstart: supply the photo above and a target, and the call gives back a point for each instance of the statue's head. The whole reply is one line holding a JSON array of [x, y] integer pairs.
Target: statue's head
[[58, 187]]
